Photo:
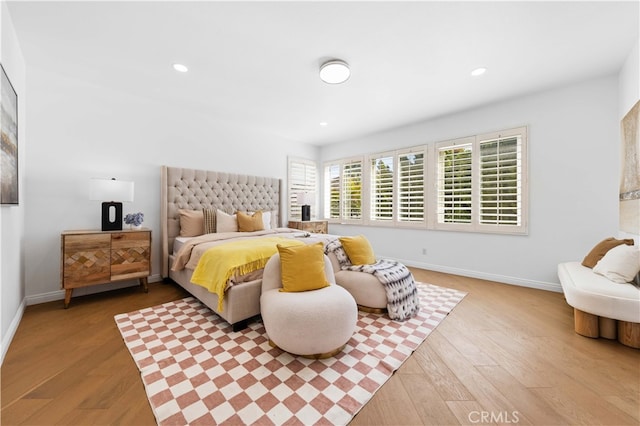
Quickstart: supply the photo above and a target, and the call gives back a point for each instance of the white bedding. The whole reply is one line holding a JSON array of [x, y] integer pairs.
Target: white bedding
[[178, 242]]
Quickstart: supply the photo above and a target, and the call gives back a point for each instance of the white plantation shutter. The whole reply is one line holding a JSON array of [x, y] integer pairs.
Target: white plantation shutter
[[411, 186], [381, 173], [501, 181], [343, 190], [302, 178], [332, 184], [454, 185], [352, 189], [473, 184]]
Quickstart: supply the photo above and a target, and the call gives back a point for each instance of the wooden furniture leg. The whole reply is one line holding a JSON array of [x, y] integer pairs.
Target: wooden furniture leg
[[144, 284], [67, 297], [608, 328], [585, 324], [629, 334]]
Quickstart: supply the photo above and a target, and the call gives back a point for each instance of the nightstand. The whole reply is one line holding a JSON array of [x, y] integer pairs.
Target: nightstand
[[314, 226], [101, 257]]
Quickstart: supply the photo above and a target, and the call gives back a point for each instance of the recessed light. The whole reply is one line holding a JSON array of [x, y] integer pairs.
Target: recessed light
[[324, 123], [180, 68], [478, 71], [335, 72]]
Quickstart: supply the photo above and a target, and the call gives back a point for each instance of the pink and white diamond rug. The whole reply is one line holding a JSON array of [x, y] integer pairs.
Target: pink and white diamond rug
[[196, 371]]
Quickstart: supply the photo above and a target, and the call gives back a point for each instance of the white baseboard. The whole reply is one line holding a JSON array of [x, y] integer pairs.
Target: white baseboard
[[59, 294], [541, 285], [11, 331]]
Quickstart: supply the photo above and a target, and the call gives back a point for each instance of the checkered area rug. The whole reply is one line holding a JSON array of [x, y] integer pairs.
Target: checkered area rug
[[197, 371]]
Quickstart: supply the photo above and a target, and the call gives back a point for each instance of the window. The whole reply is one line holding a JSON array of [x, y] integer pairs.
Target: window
[[501, 181], [481, 183], [302, 177], [411, 187], [381, 172], [475, 184], [454, 181], [343, 190]]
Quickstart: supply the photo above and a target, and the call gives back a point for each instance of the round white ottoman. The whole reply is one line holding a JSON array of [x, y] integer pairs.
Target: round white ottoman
[[365, 288], [313, 324]]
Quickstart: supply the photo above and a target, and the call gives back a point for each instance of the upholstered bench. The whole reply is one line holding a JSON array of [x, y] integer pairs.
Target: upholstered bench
[[602, 308]]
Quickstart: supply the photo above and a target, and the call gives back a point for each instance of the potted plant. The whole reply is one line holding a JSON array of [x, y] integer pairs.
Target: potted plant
[[134, 220]]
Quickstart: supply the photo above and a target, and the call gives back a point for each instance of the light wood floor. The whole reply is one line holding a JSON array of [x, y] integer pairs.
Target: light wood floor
[[505, 355]]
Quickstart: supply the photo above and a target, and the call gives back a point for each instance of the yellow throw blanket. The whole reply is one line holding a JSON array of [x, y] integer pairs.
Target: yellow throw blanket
[[218, 264]]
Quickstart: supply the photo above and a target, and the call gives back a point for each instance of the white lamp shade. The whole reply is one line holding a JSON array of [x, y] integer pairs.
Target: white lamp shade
[[110, 190], [304, 198]]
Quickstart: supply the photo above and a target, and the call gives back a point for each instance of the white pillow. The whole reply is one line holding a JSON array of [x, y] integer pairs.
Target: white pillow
[[226, 222], [621, 264], [266, 219]]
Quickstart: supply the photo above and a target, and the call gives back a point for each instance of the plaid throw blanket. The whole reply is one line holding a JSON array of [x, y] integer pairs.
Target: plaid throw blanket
[[402, 295]]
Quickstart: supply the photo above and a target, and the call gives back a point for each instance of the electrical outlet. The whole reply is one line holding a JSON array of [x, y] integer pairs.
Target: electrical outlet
[[424, 251]]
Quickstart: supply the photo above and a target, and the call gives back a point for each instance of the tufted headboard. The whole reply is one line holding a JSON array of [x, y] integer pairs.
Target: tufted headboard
[[199, 189]]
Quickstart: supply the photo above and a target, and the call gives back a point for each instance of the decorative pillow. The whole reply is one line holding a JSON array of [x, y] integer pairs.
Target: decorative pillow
[[191, 223], [274, 219], [621, 264], [266, 219], [209, 220], [250, 223], [335, 247], [226, 222], [302, 267], [601, 249], [359, 250]]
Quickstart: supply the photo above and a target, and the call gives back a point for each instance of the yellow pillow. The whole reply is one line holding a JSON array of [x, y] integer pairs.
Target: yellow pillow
[[359, 250], [302, 267], [250, 223]]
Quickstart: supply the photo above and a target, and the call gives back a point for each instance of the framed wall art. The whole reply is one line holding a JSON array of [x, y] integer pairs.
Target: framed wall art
[[630, 182], [9, 127]]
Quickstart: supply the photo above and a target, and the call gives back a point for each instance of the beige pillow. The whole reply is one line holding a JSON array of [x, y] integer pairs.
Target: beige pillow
[[621, 264], [226, 222], [191, 223], [250, 222], [601, 249]]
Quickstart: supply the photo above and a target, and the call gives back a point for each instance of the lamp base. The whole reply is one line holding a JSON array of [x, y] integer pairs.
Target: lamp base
[[306, 213], [111, 216]]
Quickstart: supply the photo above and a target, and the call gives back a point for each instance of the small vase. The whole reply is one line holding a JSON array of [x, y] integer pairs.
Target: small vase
[[135, 226]]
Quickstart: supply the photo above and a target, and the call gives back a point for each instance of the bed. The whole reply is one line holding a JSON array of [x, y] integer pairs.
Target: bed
[[191, 190]]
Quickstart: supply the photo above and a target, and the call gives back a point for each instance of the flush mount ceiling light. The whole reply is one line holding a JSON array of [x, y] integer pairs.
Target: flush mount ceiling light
[[478, 71], [335, 71], [180, 68]]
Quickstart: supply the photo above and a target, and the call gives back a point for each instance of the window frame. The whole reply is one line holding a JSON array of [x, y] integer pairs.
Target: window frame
[[431, 179]]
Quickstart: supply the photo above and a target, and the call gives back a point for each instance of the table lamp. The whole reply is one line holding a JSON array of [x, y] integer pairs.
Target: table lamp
[[112, 193], [304, 200]]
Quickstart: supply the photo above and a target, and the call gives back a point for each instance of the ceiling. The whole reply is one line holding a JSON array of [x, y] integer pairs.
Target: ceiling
[[256, 64]]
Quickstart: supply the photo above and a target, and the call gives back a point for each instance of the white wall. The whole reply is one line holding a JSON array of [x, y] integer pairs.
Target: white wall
[[629, 81], [573, 174], [629, 89], [11, 217], [79, 130]]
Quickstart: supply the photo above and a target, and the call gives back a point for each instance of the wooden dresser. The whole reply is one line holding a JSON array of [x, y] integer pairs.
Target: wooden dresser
[[101, 257], [315, 226]]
